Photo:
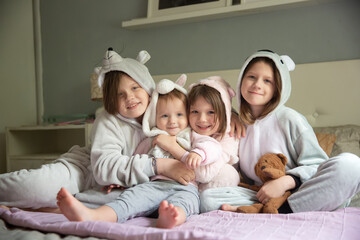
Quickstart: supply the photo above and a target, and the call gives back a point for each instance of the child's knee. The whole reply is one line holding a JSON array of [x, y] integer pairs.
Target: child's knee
[[206, 201], [347, 165]]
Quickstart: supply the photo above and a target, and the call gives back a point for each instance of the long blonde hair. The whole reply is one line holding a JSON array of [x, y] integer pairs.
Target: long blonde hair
[[245, 110]]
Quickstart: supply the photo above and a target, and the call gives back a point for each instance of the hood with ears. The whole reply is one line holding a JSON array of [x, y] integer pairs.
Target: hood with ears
[[135, 68], [163, 87], [283, 63], [226, 93]]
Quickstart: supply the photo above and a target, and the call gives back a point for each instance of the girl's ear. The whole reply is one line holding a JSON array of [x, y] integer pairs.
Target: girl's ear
[[181, 80]]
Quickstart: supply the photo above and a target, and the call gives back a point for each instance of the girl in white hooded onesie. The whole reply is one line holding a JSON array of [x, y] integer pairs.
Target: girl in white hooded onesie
[[317, 182]]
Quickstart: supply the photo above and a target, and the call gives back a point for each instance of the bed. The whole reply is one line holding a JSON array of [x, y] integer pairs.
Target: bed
[[322, 92]]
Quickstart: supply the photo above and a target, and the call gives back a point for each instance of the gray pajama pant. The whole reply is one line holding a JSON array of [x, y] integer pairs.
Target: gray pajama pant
[[38, 188], [145, 198], [335, 183]]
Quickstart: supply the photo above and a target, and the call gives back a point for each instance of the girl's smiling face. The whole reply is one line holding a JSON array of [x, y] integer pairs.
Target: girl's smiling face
[[258, 86], [132, 98], [202, 117]]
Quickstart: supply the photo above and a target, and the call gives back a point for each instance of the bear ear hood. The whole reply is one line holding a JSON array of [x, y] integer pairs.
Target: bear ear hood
[[135, 68], [283, 63]]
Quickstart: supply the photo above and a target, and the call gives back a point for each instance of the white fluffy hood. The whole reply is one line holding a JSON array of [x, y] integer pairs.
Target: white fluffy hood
[[283, 63], [163, 87], [135, 68]]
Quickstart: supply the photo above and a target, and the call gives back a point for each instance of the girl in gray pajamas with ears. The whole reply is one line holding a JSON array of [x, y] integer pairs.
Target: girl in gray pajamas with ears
[[116, 134], [318, 183]]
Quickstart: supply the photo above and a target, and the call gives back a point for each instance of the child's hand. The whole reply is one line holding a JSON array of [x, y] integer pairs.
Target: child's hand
[[169, 144], [175, 170], [236, 126], [111, 187], [164, 141], [193, 160], [275, 188]]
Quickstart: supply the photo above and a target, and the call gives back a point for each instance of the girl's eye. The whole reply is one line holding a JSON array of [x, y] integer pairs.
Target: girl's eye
[[211, 112], [120, 94], [136, 87], [164, 116], [267, 81], [194, 112], [179, 114]]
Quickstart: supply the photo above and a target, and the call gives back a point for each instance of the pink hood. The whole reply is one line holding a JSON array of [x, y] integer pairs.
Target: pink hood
[[225, 90]]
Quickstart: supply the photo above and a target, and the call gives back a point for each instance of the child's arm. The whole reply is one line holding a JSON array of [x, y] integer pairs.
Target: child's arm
[[112, 162], [207, 147], [237, 127], [142, 148], [228, 155], [175, 169], [275, 188], [192, 159], [205, 150], [169, 144], [305, 154]]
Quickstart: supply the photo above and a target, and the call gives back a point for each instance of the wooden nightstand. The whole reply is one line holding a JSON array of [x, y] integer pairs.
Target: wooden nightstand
[[31, 146]]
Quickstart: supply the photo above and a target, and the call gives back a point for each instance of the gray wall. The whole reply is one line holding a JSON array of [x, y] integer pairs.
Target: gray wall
[[17, 69], [75, 35]]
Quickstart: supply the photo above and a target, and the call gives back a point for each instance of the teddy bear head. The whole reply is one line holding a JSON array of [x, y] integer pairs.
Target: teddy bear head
[[270, 166]]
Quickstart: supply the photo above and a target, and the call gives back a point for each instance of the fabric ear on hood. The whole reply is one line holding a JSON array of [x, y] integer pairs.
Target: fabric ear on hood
[[225, 90], [163, 87], [283, 63], [136, 69]]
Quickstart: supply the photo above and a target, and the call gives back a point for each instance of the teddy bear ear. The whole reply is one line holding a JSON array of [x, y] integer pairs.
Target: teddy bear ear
[[282, 157]]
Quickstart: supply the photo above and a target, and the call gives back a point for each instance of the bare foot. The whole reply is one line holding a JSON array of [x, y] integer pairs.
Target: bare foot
[[227, 207], [72, 208], [170, 216]]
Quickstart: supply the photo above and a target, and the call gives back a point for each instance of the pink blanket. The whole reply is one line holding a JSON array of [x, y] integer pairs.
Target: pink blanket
[[341, 224]]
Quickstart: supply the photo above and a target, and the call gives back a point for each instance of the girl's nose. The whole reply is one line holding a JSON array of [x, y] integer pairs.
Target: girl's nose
[[129, 95], [202, 117], [257, 83]]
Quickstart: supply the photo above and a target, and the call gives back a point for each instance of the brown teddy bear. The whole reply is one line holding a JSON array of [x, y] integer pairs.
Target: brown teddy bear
[[269, 166]]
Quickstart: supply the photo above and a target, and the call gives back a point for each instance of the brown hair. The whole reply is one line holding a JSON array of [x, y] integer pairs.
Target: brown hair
[[175, 94], [245, 111], [109, 90], [213, 97]]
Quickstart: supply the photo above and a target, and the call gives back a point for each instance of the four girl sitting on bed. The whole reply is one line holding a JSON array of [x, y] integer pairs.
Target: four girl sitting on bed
[[263, 88]]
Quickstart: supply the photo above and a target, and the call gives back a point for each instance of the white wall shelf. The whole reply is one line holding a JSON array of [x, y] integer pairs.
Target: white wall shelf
[[29, 147], [216, 13]]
